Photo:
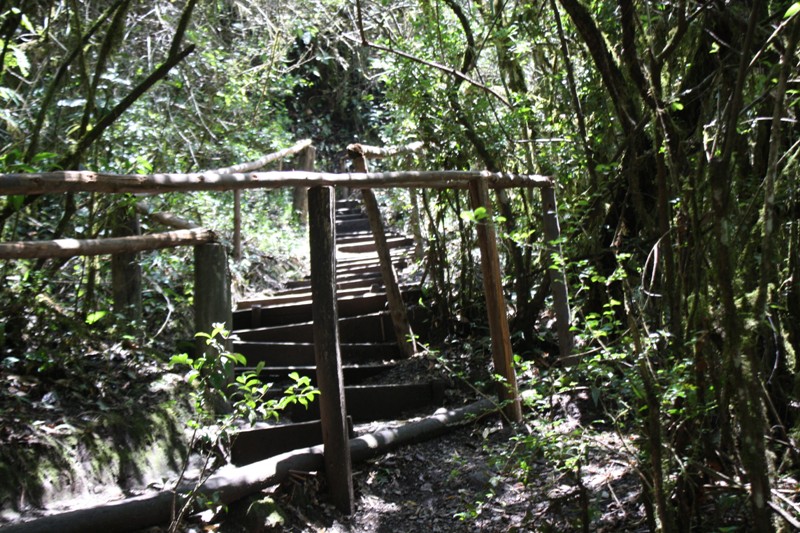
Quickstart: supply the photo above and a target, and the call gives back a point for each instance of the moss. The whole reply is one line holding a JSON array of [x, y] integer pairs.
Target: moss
[[114, 449]]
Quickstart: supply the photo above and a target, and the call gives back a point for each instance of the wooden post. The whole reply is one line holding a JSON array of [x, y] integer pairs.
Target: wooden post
[[397, 308], [322, 237], [237, 225], [558, 278], [300, 194], [126, 273], [416, 225], [212, 290], [502, 355]]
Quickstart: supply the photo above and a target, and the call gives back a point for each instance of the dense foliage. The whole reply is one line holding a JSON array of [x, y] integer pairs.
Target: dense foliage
[[670, 127]]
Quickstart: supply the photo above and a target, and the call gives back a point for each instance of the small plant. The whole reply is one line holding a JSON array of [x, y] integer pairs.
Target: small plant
[[221, 400]]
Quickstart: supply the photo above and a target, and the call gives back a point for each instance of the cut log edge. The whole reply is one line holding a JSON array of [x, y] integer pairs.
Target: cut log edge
[[232, 484]]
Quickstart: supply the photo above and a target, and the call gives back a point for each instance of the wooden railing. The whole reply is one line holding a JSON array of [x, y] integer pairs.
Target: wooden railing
[[212, 282]]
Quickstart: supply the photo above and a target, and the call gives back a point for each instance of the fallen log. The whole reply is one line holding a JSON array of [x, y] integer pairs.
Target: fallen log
[[232, 484], [87, 247]]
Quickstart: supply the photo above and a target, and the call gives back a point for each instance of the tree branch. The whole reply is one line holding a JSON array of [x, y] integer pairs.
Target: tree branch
[[110, 117], [438, 66]]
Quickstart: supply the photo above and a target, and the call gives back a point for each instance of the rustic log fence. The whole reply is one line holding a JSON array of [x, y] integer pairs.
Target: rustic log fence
[[212, 279]]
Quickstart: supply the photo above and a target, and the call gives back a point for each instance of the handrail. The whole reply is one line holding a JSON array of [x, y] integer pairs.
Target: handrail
[[65, 248], [85, 181], [265, 160]]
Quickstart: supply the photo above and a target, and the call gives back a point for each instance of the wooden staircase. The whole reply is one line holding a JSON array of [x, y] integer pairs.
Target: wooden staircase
[[277, 331]]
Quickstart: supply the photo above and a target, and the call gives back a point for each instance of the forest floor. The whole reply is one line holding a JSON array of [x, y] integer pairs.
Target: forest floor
[[566, 468]]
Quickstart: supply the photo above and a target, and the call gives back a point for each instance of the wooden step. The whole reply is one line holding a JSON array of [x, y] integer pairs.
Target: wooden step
[[302, 353], [369, 246], [352, 374], [292, 313], [347, 203], [367, 403], [251, 445], [295, 312], [351, 226], [374, 327], [293, 287], [300, 296], [358, 236], [305, 283], [350, 214]]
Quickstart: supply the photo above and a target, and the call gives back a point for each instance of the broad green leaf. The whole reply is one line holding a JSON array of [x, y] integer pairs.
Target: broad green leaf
[[94, 317], [792, 11]]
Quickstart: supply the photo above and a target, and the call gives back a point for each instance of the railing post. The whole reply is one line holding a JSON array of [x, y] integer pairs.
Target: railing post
[[397, 307], [126, 273], [237, 225], [558, 278], [300, 194], [212, 290], [330, 380], [502, 355]]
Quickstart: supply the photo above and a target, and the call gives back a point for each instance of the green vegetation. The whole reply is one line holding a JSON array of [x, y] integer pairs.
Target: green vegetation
[[671, 129]]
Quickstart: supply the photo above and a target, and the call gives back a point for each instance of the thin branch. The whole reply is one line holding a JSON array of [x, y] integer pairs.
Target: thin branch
[[438, 66], [110, 117]]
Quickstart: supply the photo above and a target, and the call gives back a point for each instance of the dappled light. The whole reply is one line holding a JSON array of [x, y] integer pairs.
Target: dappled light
[[371, 265]]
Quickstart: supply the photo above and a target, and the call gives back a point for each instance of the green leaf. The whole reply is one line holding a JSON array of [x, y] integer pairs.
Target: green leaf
[[792, 11], [94, 317], [180, 359]]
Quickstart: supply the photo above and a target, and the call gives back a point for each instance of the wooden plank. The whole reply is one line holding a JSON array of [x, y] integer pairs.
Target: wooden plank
[[87, 181], [353, 374], [347, 282], [293, 297], [277, 315], [558, 278], [289, 313], [369, 245], [502, 354], [404, 335], [251, 445], [330, 381], [114, 245], [302, 353], [367, 403], [375, 327]]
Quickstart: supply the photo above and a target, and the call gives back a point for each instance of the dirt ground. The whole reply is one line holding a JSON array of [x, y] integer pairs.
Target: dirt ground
[[481, 477]]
